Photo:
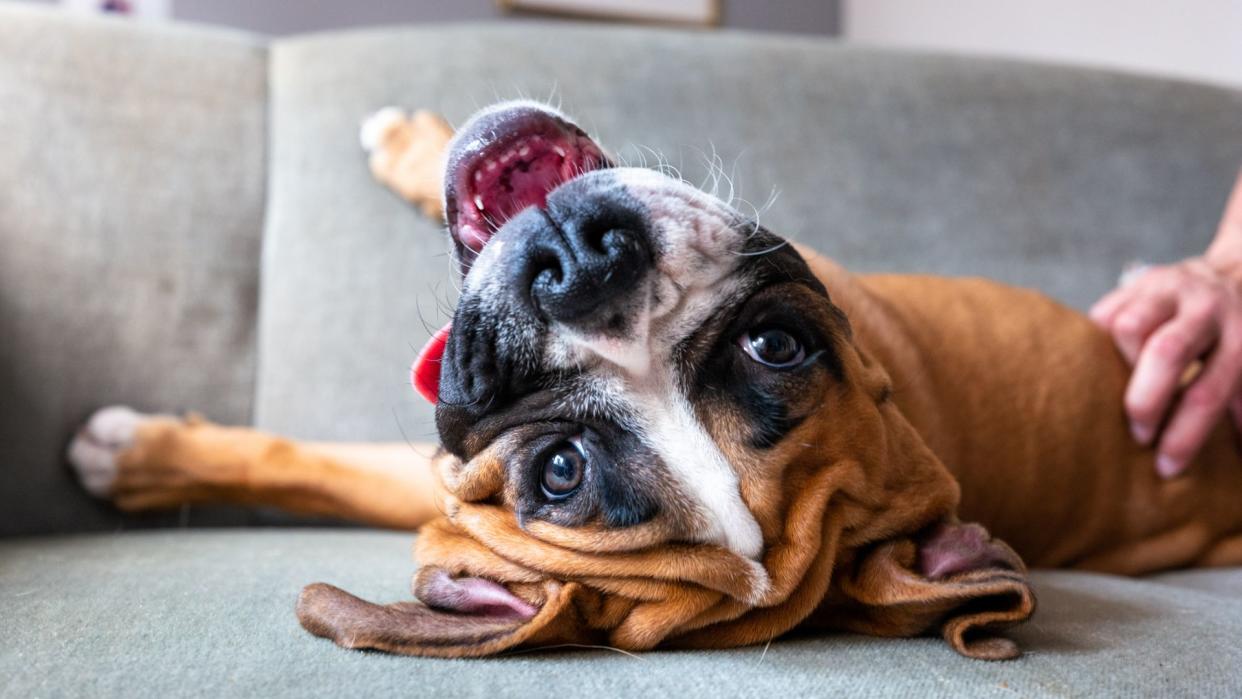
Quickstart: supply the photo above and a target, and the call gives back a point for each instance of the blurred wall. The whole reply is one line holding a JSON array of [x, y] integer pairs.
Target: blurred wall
[[286, 17], [1196, 39]]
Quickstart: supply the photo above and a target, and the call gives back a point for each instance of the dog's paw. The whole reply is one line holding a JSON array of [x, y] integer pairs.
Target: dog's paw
[[375, 128], [97, 446]]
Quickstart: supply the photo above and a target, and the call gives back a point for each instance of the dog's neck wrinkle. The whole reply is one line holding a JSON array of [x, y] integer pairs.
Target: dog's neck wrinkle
[[876, 331]]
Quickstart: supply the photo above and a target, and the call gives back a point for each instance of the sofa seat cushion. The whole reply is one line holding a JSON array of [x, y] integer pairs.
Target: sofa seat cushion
[[211, 612]]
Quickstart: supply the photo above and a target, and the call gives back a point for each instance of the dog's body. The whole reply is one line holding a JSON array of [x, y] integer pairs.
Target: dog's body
[[1021, 398], [1018, 395], [638, 381]]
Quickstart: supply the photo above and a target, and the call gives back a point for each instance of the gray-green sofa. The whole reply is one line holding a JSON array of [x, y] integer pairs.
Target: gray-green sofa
[[187, 222]]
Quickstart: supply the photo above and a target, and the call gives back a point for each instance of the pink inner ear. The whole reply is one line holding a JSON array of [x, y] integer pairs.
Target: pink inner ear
[[958, 548], [425, 372], [475, 596]]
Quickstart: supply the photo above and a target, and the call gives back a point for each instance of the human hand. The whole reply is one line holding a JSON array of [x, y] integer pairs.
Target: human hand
[[1165, 322]]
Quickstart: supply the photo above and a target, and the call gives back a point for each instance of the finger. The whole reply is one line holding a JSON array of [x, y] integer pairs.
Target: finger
[[1137, 320], [1201, 406], [1162, 360], [1105, 309]]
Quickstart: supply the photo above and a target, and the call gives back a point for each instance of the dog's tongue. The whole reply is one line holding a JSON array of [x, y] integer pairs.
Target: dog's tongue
[[425, 372]]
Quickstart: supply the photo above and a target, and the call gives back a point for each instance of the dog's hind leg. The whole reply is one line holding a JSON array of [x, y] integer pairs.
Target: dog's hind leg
[[144, 462]]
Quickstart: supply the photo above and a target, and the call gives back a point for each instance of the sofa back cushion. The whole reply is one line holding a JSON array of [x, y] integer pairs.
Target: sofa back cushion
[[131, 209], [1043, 176]]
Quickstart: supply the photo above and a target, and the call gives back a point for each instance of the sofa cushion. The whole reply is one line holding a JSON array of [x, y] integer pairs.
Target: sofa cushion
[[211, 613], [131, 210], [1052, 177]]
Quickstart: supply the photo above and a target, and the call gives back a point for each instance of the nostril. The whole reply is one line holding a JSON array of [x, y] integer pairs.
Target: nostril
[[547, 277], [547, 269], [605, 237], [592, 234], [615, 241]]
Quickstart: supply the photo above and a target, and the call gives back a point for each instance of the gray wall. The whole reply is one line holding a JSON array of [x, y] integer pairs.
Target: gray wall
[[273, 17]]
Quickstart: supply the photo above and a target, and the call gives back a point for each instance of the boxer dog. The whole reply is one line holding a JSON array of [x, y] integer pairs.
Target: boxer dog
[[662, 425]]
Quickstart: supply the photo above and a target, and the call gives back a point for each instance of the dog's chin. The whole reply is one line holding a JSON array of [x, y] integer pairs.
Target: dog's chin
[[507, 159]]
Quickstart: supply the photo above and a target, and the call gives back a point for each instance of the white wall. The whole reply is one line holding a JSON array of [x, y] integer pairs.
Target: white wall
[[1196, 39]]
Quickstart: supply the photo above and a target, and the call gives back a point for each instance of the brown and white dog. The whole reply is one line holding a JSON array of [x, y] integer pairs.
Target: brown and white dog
[[663, 425]]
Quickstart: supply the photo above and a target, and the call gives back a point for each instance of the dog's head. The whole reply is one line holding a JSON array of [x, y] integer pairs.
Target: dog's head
[[657, 429]]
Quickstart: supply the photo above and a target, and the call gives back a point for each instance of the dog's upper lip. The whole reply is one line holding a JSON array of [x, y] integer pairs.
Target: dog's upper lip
[[504, 161]]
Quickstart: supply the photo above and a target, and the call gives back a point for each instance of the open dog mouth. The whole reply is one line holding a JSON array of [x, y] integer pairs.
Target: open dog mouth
[[505, 160]]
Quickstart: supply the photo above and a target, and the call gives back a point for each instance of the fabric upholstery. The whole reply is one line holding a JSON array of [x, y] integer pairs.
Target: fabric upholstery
[[131, 212], [132, 199], [211, 613], [1043, 176]]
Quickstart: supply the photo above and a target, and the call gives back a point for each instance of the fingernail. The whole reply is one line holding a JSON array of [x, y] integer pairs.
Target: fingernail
[[1167, 466], [1141, 432]]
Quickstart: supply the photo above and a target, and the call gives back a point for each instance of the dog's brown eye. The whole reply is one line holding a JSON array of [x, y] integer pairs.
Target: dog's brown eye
[[562, 473], [773, 347]]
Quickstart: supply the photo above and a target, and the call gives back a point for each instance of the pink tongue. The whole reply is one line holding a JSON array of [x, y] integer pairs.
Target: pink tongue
[[425, 372]]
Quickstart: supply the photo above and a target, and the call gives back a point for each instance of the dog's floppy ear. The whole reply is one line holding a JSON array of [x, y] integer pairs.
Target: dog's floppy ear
[[953, 578], [457, 617]]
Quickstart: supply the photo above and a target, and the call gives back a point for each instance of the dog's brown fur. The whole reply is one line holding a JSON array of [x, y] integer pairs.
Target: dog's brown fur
[[1019, 396], [1022, 398], [973, 366], [962, 400]]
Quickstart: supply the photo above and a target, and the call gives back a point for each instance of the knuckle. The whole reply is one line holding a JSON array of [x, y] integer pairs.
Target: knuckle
[[1128, 324], [1170, 347], [1202, 306], [1204, 397], [1158, 274], [1211, 305]]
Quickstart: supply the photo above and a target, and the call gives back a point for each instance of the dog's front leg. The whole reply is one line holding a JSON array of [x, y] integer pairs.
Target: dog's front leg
[[144, 462]]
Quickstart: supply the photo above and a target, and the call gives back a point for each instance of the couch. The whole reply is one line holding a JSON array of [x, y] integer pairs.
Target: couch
[[187, 223]]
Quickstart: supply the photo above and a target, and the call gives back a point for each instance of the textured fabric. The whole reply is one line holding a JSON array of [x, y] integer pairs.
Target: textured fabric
[[177, 613], [1044, 176], [131, 198], [131, 209]]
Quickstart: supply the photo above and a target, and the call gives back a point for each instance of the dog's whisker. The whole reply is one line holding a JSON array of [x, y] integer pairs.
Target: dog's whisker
[[765, 251], [766, 646], [428, 327], [555, 94]]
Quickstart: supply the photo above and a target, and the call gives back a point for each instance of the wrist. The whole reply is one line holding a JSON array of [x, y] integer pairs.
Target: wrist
[[1227, 266], [1224, 255]]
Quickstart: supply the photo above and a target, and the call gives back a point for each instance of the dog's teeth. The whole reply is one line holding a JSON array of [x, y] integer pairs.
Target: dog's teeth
[[478, 175], [492, 164], [525, 151], [559, 151], [478, 201]]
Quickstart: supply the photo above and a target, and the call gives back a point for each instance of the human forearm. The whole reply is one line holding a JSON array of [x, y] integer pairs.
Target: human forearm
[[1225, 252]]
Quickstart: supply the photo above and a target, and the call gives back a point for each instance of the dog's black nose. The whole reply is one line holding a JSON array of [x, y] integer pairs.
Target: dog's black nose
[[583, 260]]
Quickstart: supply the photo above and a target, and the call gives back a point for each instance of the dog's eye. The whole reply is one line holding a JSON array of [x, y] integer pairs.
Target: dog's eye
[[562, 472], [773, 347]]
